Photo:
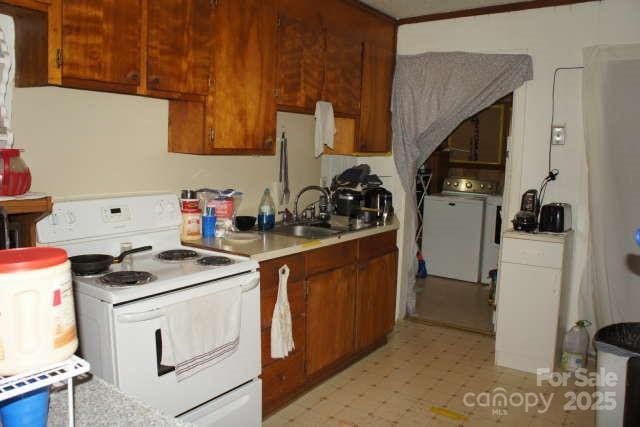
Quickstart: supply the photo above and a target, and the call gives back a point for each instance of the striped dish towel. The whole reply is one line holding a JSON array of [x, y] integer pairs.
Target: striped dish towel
[[201, 332]]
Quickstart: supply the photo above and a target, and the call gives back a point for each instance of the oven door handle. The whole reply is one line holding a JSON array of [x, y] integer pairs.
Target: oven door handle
[[252, 284], [141, 317]]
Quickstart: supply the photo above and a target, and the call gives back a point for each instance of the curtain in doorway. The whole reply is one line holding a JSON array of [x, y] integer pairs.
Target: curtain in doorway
[[610, 288], [432, 94]]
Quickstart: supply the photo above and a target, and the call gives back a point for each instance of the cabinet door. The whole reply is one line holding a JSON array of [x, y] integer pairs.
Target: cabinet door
[[300, 64], [101, 43], [178, 55], [376, 299], [242, 109], [343, 74], [375, 114], [330, 317]]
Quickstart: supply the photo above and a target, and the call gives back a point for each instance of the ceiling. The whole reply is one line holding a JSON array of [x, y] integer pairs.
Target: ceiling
[[409, 8]]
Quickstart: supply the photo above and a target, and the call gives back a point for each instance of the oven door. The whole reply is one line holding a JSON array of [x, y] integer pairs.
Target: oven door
[[136, 335]]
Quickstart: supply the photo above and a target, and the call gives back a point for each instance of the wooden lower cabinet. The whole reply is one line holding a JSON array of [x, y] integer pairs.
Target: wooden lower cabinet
[[331, 314], [281, 379], [342, 300], [375, 299]]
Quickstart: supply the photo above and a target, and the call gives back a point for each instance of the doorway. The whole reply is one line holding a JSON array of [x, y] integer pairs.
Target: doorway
[[460, 197]]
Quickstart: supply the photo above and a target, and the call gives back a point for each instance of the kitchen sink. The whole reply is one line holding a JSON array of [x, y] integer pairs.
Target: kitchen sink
[[306, 231]]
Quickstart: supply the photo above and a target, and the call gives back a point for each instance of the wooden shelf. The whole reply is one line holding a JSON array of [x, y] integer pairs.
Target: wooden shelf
[[23, 206], [27, 212]]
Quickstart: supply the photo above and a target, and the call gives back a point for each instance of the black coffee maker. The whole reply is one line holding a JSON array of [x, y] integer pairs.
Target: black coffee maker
[[527, 218]]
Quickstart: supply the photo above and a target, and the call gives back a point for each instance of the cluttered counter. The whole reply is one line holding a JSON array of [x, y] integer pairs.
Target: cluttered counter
[[263, 246]]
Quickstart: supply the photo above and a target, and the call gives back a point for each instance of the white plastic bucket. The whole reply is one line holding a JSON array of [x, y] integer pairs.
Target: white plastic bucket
[[37, 315]]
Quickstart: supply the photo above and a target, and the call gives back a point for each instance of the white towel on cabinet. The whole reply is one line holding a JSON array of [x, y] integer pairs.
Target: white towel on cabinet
[[281, 328], [325, 127], [201, 332]]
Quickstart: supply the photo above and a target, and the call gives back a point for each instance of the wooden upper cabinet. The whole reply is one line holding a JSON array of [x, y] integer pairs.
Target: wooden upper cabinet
[[375, 114], [179, 46], [101, 43], [343, 74], [300, 64], [242, 109]]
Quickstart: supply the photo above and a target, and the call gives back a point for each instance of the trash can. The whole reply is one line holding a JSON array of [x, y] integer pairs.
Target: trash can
[[618, 347]]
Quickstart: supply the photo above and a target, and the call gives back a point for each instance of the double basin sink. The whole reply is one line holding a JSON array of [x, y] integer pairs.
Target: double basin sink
[[318, 230]]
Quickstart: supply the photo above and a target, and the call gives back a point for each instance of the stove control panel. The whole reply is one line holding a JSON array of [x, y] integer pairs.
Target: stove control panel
[[116, 214], [469, 185], [87, 219]]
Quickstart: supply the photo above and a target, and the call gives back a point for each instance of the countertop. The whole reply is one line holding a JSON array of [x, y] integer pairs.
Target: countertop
[[269, 245], [98, 403]]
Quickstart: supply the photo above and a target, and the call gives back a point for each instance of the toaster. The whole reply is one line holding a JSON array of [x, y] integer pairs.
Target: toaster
[[555, 217]]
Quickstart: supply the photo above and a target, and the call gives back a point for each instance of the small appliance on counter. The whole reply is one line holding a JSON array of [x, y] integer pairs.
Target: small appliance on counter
[[381, 200], [347, 201], [527, 218], [555, 218]]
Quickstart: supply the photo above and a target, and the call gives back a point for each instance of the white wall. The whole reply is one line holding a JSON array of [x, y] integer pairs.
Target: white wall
[[554, 37], [82, 143]]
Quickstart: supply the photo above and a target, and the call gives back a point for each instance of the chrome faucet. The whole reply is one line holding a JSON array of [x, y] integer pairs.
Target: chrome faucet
[[324, 203]]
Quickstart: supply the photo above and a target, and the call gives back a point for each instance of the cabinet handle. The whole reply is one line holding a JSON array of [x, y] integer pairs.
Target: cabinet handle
[[361, 267], [154, 80], [212, 135], [133, 76], [268, 142], [452, 204], [282, 377]]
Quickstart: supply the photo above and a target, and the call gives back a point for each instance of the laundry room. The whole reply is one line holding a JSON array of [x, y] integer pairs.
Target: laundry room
[[459, 221]]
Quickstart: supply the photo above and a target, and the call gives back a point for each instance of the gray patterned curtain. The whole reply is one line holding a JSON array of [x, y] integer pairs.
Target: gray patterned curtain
[[432, 94]]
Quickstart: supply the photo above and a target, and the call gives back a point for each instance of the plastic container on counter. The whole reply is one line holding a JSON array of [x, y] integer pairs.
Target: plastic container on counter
[[38, 325], [191, 228]]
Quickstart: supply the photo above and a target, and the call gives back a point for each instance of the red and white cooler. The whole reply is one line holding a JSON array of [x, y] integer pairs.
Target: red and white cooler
[[37, 316]]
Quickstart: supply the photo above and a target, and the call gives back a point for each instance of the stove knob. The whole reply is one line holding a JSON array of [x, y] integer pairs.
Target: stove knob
[[456, 184], [469, 185], [170, 208], [159, 208], [490, 187], [482, 186], [71, 218], [448, 183]]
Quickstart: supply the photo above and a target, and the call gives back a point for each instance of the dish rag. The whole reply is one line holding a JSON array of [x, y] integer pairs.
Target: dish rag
[[325, 127], [281, 329], [201, 332]]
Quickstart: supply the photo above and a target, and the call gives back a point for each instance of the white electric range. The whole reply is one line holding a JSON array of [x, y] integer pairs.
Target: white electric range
[[119, 311]]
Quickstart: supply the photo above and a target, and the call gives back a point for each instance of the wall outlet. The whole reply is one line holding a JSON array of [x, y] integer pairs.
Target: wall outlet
[[558, 135]]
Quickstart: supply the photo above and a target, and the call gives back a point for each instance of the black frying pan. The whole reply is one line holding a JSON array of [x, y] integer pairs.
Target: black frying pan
[[97, 263]]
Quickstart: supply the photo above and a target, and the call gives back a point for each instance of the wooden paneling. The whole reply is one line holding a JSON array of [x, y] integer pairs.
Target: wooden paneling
[[330, 317], [101, 42], [179, 45], [281, 379], [300, 63], [486, 10], [331, 257], [376, 299], [343, 74], [375, 114], [244, 69], [375, 245]]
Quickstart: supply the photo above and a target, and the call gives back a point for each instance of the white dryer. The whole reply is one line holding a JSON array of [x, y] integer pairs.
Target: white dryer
[[460, 239]]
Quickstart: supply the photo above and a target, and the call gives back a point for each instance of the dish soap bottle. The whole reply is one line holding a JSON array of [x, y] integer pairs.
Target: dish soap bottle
[[266, 212]]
